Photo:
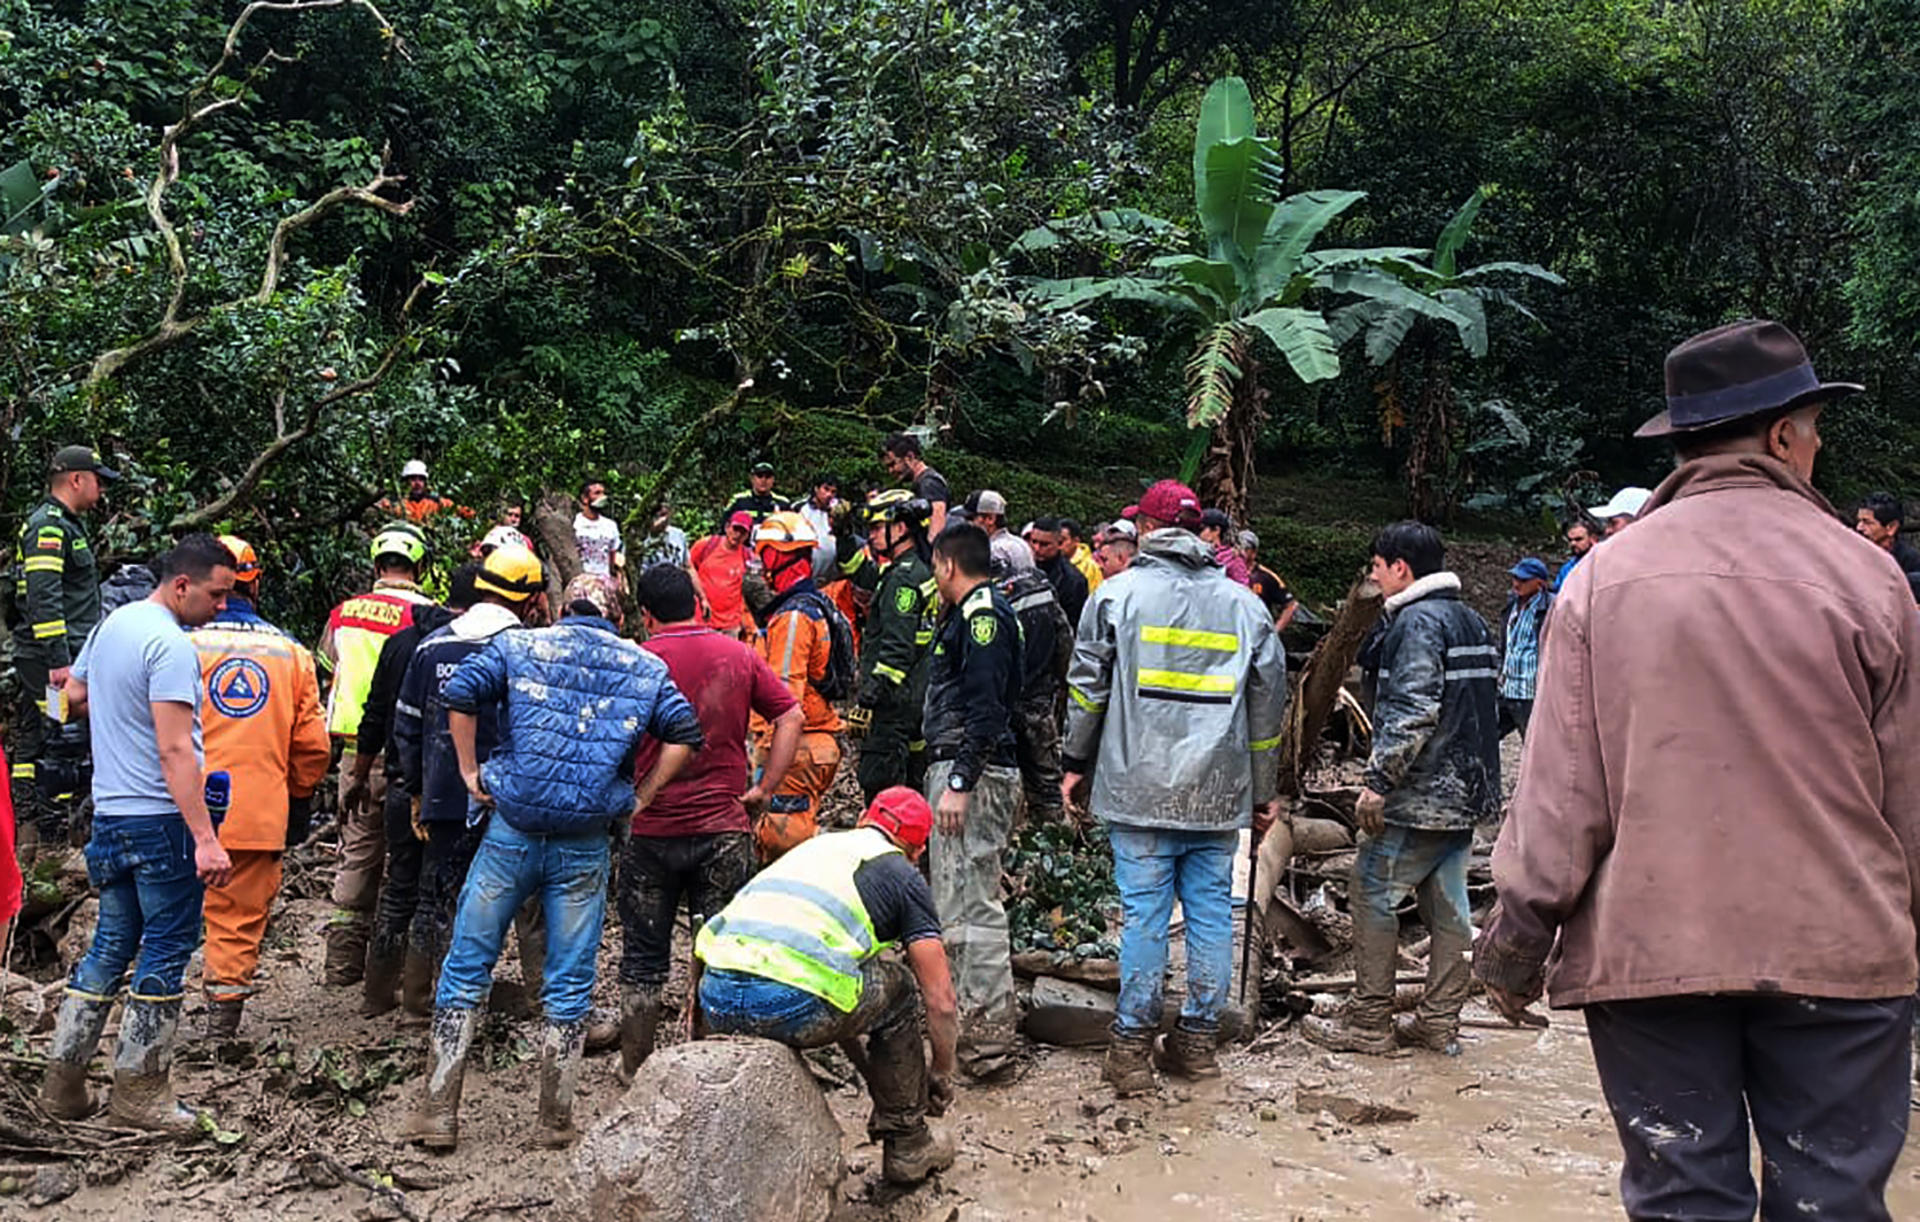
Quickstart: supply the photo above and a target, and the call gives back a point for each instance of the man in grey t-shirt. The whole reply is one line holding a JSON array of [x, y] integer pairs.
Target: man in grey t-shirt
[[154, 849]]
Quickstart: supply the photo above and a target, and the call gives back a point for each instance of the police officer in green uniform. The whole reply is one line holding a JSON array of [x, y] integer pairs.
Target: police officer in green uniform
[[759, 500], [56, 603], [895, 647], [973, 785]]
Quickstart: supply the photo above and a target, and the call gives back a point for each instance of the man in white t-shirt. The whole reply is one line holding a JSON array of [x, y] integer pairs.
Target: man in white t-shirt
[[154, 847], [602, 552]]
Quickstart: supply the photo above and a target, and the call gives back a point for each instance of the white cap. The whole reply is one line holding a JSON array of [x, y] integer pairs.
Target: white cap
[[1626, 503], [991, 502], [1121, 529], [414, 467], [504, 536]]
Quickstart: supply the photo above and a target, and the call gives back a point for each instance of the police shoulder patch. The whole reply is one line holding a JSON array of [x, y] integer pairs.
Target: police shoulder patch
[[984, 629], [903, 600]]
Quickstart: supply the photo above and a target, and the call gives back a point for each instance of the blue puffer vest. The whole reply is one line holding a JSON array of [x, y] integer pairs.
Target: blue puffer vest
[[577, 700]]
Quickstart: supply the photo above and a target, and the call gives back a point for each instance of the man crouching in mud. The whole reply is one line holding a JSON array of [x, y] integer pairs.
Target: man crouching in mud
[[1718, 814]]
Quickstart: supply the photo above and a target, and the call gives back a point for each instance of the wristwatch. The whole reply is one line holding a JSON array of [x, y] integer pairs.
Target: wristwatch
[[956, 782]]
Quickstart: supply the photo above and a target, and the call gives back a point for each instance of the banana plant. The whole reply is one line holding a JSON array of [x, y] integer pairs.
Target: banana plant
[[1258, 279]]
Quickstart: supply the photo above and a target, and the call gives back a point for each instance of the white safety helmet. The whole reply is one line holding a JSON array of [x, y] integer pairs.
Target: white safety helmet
[[414, 467]]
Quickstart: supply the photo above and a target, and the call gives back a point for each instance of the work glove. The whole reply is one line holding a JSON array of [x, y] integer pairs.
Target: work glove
[[859, 721]]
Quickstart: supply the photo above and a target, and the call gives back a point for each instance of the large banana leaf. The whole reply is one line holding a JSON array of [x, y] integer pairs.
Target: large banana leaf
[[1219, 279], [1354, 318], [1379, 286], [1212, 374], [1235, 189], [1226, 113], [1401, 261], [1473, 319], [1385, 336], [1446, 251], [1295, 222], [1303, 338], [1517, 269], [1079, 290]]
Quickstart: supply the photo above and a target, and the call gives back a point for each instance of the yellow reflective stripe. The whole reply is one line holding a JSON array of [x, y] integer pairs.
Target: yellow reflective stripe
[[132, 996], [1264, 744], [1085, 701], [918, 744], [83, 995], [1182, 681], [43, 564], [23, 771], [1191, 638], [51, 628], [889, 672]]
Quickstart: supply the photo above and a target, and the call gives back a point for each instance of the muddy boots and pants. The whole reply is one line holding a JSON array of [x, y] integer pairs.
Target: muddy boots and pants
[[888, 1013], [236, 922], [568, 876], [356, 884], [150, 909], [656, 872], [966, 873], [413, 920], [1431, 866], [1152, 867]]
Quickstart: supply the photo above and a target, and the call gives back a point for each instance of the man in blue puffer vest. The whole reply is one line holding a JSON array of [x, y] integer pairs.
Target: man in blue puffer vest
[[574, 702]]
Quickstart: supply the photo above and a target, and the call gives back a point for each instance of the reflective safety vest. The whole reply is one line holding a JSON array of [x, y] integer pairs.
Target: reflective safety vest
[[800, 921], [358, 628]]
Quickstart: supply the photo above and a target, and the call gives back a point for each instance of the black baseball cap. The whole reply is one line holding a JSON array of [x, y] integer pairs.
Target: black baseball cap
[[82, 458], [1215, 517], [763, 468]]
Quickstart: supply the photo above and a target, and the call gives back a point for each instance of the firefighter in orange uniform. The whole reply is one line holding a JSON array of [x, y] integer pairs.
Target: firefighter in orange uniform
[[797, 641], [260, 712]]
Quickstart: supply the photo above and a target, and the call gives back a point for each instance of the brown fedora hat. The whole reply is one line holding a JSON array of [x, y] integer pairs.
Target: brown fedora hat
[[1735, 371]]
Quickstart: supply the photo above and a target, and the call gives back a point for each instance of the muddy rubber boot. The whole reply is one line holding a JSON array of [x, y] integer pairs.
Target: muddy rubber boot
[[143, 1095], [1418, 1031], [76, 1036], [639, 1027], [382, 983], [416, 989], [1187, 1054], [1348, 1033], [437, 1124], [603, 1030], [1128, 1068], [560, 1047], [910, 1159], [223, 1017], [347, 934]]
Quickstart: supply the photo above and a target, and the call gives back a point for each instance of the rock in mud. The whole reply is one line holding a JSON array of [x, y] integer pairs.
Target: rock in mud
[[714, 1131], [1349, 1110]]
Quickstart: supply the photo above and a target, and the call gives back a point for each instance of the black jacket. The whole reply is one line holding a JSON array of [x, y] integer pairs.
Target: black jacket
[[1436, 729], [1046, 635], [973, 684], [1069, 586], [376, 719]]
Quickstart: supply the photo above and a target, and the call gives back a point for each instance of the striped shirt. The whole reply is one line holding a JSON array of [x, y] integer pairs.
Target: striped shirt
[[1521, 668]]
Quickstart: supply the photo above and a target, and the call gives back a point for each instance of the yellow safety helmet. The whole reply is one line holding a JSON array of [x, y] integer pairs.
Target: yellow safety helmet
[[400, 539], [246, 565], [513, 573], [896, 505], [786, 532]]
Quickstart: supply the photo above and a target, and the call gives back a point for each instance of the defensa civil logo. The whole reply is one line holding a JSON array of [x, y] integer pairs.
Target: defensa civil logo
[[238, 687]]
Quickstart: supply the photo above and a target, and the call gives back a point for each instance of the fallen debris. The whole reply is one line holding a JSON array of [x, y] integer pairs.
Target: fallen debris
[[1349, 1110]]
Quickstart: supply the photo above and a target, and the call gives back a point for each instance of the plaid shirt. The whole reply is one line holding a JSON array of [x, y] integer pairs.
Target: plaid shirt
[[1521, 666]]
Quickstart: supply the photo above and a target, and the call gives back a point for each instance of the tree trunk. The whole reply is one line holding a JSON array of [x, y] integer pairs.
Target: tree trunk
[[552, 530], [1321, 681], [1430, 478], [1226, 473]]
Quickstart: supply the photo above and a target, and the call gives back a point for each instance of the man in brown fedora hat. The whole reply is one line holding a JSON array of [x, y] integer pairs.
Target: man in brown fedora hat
[[1718, 818]]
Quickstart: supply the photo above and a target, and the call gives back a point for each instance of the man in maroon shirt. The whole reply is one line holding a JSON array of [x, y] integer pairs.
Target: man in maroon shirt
[[696, 838]]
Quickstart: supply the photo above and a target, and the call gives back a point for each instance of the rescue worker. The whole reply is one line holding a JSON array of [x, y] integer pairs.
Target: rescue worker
[[797, 642], [759, 500], [973, 686], [56, 603], [896, 646], [349, 650], [1046, 649], [778, 965], [419, 503], [261, 724]]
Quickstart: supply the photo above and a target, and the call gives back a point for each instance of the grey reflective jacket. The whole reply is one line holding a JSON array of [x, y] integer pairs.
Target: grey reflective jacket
[[1178, 692]]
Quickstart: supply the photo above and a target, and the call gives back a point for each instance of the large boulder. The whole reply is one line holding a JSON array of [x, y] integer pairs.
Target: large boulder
[[714, 1131]]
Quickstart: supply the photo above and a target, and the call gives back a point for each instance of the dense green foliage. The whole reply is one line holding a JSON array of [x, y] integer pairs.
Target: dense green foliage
[[528, 240]]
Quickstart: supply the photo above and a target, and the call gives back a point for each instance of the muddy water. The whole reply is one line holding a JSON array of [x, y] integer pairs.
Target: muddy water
[[1513, 1129]]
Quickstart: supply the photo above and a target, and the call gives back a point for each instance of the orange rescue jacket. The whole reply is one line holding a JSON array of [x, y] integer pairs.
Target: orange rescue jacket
[[260, 717]]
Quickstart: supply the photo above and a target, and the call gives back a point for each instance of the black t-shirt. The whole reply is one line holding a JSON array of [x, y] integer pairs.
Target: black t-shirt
[[1272, 591], [931, 487], [898, 900]]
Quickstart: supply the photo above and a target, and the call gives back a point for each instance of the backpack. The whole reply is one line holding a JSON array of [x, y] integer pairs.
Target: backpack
[[843, 661]]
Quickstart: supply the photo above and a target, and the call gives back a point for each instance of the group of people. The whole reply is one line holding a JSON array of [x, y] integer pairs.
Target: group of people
[[1714, 846]]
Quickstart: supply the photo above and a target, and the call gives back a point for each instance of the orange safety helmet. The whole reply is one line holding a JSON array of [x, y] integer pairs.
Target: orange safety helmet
[[246, 565], [786, 531], [902, 814]]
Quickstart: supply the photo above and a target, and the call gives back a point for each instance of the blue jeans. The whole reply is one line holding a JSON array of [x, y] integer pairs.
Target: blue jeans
[[1151, 866], [569, 874], [150, 896], [1432, 866]]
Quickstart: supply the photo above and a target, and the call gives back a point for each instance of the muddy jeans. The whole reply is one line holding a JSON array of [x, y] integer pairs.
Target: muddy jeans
[[569, 875], [1431, 865], [1036, 741], [1822, 1083], [656, 872], [1150, 867], [893, 752], [150, 897], [363, 847], [888, 1014], [966, 893]]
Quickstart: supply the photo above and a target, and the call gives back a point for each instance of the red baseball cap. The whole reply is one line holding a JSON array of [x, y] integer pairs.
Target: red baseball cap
[[742, 519], [902, 814], [1168, 501], [1130, 513]]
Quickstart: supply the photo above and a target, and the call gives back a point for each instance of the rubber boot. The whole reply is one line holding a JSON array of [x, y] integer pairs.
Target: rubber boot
[[437, 1124], [223, 1017], [603, 1029], [1187, 1054], [1419, 1031], [910, 1159], [639, 1027], [381, 981], [347, 934], [143, 1095], [1128, 1068], [1366, 1023], [560, 1047], [416, 989], [76, 1037]]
